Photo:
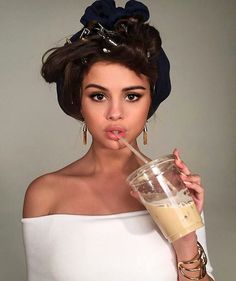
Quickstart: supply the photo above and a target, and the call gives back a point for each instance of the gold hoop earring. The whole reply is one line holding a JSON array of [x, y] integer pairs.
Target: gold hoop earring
[[145, 134], [85, 129]]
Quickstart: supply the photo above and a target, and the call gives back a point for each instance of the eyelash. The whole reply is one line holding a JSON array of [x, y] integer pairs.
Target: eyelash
[[95, 95], [137, 96], [92, 96]]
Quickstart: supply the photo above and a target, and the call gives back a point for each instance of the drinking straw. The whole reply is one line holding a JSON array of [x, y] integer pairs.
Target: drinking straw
[[133, 150], [162, 180]]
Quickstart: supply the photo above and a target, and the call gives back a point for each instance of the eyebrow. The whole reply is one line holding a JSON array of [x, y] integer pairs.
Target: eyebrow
[[138, 87]]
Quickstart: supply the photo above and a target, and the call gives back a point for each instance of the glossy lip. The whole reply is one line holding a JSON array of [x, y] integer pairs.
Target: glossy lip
[[109, 132]]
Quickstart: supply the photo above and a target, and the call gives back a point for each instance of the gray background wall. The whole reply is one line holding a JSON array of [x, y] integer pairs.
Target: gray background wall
[[198, 118]]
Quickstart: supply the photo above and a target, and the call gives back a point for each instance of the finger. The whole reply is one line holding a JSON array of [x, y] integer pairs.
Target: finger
[[183, 167], [191, 178], [135, 195], [180, 164], [198, 189], [197, 193], [176, 153]]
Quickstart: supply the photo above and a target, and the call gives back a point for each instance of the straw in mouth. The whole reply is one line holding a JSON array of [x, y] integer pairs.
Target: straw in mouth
[[138, 154], [161, 179]]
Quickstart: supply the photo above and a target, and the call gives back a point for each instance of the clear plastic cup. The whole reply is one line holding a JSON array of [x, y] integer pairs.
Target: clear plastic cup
[[165, 196]]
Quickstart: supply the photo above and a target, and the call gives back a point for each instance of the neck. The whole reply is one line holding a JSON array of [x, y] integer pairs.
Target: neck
[[109, 161]]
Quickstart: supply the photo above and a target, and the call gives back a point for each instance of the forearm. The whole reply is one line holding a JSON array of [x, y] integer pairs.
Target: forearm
[[186, 249]]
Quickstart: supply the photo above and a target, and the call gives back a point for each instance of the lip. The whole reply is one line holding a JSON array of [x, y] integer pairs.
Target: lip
[[111, 135]]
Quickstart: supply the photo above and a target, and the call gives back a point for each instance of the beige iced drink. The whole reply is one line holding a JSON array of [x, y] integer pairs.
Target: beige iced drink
[[175, 221], [166, 197]]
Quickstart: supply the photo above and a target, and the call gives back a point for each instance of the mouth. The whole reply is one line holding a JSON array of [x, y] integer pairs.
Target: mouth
[[115, 133]]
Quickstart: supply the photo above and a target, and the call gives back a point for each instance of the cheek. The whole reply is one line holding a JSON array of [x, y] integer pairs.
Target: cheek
[[139, 116], [86, 110], [88, 114], [92, 116]]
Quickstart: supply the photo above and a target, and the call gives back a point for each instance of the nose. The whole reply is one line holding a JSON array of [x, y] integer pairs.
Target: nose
[[115, 111]]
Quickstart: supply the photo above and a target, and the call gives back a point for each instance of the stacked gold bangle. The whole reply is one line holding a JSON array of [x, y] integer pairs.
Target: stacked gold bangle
[[198, 262]]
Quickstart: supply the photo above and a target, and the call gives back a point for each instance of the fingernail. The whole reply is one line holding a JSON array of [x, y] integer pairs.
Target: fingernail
[[187, 182], [178, 154]]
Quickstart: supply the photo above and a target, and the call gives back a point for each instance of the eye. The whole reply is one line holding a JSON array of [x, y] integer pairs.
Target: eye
[[133, 97], [97, 96]]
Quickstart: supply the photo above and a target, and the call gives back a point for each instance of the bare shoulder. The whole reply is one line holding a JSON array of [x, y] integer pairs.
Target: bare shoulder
[[51, 192], [39, 196]]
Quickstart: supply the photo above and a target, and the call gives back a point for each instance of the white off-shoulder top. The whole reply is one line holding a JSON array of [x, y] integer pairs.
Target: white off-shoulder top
[[119, 247]]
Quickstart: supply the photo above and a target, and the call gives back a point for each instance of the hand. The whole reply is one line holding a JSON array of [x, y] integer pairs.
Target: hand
[[135, 195], [192, 182]]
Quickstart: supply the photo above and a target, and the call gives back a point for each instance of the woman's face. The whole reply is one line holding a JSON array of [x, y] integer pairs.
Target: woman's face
[[115, 100]]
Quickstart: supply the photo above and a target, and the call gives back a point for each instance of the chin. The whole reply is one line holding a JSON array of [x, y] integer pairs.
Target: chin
[[115, 146], [108, 144]]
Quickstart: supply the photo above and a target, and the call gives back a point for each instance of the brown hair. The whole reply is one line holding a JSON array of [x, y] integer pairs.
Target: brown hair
[[138, 48]]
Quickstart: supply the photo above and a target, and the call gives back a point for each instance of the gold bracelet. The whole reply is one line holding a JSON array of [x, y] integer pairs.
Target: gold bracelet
[[200, 259]]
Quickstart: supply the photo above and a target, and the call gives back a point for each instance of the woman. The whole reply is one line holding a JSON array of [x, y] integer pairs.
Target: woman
[[82, 222]]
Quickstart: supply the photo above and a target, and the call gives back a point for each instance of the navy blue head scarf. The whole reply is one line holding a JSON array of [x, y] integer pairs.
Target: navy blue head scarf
[[106, 13]]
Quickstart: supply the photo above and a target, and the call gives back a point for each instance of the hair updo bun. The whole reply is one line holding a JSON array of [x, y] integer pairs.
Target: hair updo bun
[[132, 43]]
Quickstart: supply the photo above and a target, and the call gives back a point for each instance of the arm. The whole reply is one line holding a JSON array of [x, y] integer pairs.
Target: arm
[[186, 247]]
